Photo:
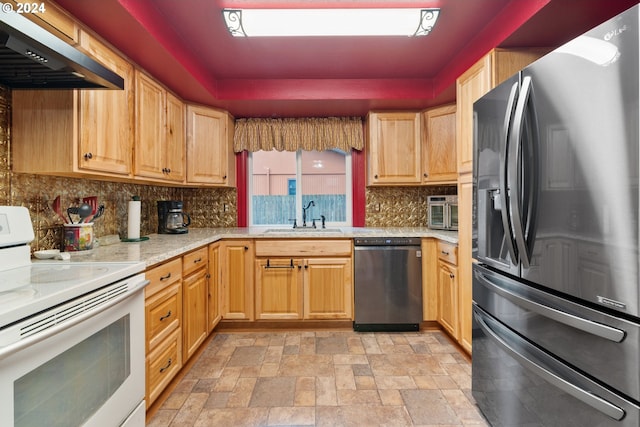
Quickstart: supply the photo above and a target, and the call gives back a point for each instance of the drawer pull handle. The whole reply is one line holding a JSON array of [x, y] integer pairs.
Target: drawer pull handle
[[444, 253], [195, 261], [166, 316], [164, 368], [165, 277], [280, 266]]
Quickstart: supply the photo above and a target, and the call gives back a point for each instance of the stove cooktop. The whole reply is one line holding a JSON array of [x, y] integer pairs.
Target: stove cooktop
[[29, 289]]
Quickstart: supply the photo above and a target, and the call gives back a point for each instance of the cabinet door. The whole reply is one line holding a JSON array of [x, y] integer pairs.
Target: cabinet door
[[175, 139], [328, 288], [278, 288], [195, 295], [471, 85], [237, 279], [448, 298], [213, 317], [439, 151], [150, 128], [106, 116], [394, 148], [209, 158], [465, 231]]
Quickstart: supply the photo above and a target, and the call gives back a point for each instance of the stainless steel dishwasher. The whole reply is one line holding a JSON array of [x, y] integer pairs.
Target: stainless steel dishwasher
[[388, 284]]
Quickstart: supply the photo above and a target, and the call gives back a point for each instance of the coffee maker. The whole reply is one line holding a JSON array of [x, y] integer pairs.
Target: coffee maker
[[171, 219]]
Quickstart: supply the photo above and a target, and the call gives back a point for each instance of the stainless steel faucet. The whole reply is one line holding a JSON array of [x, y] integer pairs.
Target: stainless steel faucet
[[304, 212]]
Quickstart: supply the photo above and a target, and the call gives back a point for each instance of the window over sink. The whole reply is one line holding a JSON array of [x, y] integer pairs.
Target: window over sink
[[283, 185]]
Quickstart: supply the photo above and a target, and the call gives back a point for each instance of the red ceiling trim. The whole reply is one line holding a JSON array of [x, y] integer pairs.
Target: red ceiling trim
[[324, 89], [512, 17], [155, 23]]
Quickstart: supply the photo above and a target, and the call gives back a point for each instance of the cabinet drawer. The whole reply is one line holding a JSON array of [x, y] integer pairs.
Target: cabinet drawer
[[163, 364], [448, 252], [194, 260], [163, 313], [303, 248], [162, 276]]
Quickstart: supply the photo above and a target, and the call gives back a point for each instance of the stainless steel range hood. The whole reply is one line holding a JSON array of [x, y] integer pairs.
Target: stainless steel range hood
[[33, 58]]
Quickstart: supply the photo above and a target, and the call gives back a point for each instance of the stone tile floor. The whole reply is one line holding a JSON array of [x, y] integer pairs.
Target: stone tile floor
[[324, 378]]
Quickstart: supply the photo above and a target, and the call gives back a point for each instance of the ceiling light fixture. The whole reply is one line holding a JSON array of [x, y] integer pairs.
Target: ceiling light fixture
[[330, 22]]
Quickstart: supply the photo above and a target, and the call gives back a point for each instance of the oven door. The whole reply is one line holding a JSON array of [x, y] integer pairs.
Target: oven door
[[90, 373]]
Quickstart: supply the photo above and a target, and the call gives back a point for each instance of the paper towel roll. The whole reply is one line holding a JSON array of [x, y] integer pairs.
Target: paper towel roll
[[133, 223]]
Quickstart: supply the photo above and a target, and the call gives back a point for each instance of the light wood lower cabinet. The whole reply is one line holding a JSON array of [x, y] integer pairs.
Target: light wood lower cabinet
[[448, 297], [213, 309], [328, 288], [236, 279], [318, 286], [194, 298], [279, 288], [163, 326]]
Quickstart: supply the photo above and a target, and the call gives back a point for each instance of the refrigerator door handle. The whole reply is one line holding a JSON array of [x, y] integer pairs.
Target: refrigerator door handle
[[505, 212], [533, 359], [515, 177], [585, 325]]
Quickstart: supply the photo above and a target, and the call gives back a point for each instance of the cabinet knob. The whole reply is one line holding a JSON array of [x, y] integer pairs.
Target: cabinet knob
[[168, 170], [451, 275], [246, 248], [88, 156], [426, 175], [224, 177], [375, 176]]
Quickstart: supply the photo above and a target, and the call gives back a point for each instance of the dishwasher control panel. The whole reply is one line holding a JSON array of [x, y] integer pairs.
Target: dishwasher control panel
[[387, 241]]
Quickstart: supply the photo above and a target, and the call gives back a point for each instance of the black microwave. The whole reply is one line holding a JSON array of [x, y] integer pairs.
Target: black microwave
[[443, 212]]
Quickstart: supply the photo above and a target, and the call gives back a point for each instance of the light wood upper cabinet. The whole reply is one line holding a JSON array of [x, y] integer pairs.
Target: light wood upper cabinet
[[160, 132], [393, 148], [49, 16], [83, 132], [210, 158], [106, 116], [439, 150], [480, 78]]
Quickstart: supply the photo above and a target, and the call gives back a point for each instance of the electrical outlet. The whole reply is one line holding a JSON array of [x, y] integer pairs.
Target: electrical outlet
[[225, 207], [376, 207]]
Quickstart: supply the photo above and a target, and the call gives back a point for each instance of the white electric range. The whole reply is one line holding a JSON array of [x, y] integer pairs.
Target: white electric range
[[58, 314]]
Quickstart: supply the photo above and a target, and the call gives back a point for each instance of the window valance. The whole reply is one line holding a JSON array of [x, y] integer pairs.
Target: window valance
[[292, 134]]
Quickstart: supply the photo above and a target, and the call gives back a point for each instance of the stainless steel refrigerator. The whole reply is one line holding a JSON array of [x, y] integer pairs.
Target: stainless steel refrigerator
[[556, 296]]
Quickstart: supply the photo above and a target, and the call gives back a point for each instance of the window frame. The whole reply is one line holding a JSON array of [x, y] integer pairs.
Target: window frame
[[298, 200]]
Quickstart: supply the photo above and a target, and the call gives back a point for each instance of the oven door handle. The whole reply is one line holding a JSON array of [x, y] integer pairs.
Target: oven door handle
[[12, 348]]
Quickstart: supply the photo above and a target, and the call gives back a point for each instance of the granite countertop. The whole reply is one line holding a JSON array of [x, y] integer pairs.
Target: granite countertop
[[161, 247]]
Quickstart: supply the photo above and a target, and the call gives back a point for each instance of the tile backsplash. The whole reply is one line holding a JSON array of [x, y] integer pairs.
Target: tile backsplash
[[37, 192], [401, 206]]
